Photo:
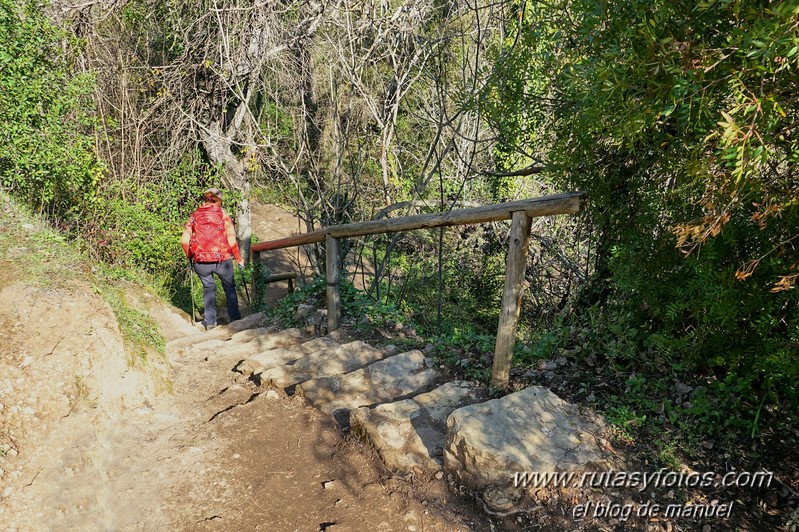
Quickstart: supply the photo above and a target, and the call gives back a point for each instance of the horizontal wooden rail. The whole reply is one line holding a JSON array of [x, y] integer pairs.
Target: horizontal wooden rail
[[276, 277], [520, 212], [569, 203]]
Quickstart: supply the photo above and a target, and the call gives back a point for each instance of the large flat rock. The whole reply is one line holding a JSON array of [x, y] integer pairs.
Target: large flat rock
[[333, 360], [411, 434], [220, 333], [393, 378], [528, 431], [258, 363], [252, 321], [255, 341]]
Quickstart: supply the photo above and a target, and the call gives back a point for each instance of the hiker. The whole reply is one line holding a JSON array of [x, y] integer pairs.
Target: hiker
[[209, 242]]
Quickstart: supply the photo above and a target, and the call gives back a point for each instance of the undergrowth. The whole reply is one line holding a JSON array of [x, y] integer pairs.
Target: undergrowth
[[359, 312], [140, 332]]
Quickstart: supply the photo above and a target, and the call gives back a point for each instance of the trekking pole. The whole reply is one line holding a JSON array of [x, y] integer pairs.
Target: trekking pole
[[244, 282], [191, 293]]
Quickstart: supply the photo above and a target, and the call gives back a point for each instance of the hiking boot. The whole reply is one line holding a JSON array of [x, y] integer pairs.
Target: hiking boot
[[209, 326]]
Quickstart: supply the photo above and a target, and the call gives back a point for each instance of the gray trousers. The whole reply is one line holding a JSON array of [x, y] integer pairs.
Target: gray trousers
[[223, 270]]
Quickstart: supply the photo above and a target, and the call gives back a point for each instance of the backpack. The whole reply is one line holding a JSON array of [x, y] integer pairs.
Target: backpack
[[209, 240]]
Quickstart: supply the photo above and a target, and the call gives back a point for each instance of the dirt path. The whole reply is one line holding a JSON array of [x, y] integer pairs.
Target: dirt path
[[277, 464], [208, 455], [270, 222], [89, 442]]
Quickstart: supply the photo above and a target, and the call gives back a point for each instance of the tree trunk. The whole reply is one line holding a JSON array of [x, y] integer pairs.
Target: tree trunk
[[234, 177]]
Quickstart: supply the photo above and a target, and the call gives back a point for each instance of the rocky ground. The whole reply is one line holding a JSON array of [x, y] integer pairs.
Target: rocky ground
[[95, 438], [90, 443]]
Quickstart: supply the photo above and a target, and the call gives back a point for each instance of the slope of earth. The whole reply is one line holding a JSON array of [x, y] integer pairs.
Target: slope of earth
[[93, 437]]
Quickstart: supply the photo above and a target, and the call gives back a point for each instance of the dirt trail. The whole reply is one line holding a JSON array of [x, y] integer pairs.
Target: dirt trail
[[270, 222], [281, 465], [89, 443], [209, 455]]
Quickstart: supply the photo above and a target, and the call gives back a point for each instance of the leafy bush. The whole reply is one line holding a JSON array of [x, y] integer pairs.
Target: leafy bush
[[46, 149], [677, 119], [357, 308]]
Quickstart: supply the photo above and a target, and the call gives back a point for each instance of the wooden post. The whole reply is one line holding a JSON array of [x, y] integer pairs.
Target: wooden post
[[255, 258], [511, 297], [333, 273]]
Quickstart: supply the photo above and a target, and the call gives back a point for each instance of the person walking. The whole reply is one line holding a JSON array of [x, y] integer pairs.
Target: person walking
[[209, 241]]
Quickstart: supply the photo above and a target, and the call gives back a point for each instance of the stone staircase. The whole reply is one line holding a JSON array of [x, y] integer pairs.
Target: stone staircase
[[341, 377], [401, 404]]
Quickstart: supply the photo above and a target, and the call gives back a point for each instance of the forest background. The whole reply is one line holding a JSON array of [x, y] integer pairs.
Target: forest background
[[679, 119]]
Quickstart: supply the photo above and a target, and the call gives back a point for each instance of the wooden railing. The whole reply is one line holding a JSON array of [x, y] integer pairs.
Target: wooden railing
[[519, 212]]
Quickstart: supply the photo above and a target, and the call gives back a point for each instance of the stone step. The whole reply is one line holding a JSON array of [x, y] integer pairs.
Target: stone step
[[391, 379], [261, 361], [220, 333], [333, 360], [174, 323], [529, 430], [249, 344], [241, 337], [410, 435]]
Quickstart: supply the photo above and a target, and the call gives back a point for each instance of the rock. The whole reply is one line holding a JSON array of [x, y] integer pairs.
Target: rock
[[681, 389], [247, 335], [272, 394], [409, 434], [303, 311], [248, 367], [248, 322], [317, 344], [386, 380], [500, 499], [530, 430], [334, 360], [317, 319], [259, 344], [218, 333], [547, 365], [274, 358]]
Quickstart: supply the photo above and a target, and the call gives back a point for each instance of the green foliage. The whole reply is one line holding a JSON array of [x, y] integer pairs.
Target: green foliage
[[137, 226], [473, 276], [46, 151], [140, 331], [793, 521], [40, 253], [466, 351], [358, 310], [139, 237], [676, 118]]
